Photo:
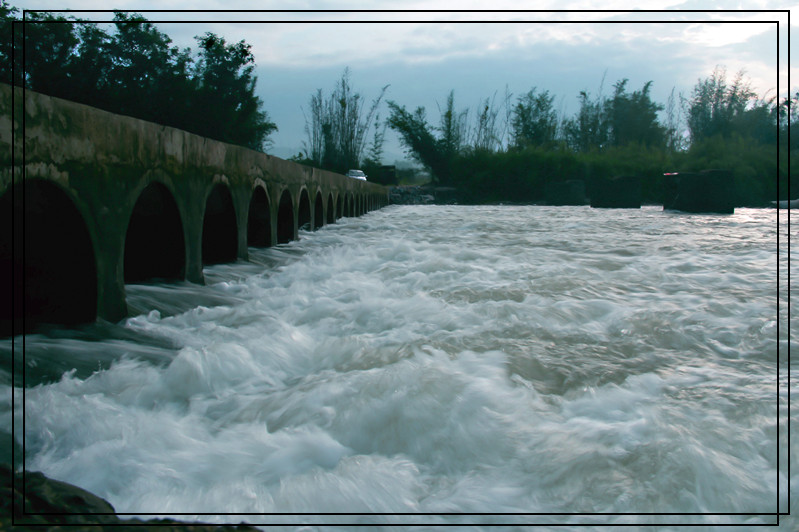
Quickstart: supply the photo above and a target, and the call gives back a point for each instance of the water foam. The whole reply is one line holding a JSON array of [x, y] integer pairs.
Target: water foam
[[438, 360]]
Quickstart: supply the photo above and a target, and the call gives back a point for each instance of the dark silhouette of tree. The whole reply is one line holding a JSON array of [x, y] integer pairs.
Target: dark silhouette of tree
[[534, 121], [588, 130], [633, 118], [136, 71], [717, 107], [226, 93], [417, 137], [337, 129], [488, 132]]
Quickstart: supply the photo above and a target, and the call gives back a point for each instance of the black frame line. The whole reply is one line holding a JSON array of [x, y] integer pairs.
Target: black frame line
[[24, 21], [669, 11]]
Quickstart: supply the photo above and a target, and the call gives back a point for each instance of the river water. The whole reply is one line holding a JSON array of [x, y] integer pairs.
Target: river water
[[425, 364]]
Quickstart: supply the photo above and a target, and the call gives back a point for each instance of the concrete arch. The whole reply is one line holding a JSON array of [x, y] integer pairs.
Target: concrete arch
[[304, 210], [106, 165], [220, 232], [285, 218], [259, 219], [331, 210], [155, 247], [55, 272], [318, 211]]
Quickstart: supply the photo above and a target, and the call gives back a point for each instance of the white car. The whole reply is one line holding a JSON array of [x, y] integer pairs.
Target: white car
[[356, 174]]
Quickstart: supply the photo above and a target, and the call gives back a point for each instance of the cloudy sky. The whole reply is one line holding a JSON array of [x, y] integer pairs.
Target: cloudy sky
[[422, 56]]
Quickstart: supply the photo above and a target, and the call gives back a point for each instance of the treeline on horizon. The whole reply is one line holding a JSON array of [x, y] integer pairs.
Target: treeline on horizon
[[509, 151], [505, 150]]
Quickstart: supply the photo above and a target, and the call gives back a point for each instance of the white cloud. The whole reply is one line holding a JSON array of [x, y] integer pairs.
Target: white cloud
[[721, 34]]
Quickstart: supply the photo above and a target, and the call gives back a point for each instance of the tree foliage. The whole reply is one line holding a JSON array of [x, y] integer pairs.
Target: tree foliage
[[488, 132], [339, 126], [588, 129], [417, 136], [534, 121], [437, 153], [136, 70], [633, 118], [622, 134], [719, 107]]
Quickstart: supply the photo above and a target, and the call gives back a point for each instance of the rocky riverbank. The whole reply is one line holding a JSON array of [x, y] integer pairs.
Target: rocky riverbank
[[422, 195], [52, 504]]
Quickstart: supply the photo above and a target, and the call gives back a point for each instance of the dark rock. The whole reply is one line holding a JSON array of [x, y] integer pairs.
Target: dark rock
[[40, 503], [422, 195], [620, 192], [410, 195], [710, 191]]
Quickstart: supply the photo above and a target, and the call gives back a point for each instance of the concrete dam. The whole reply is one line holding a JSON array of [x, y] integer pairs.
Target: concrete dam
[[92, 200]]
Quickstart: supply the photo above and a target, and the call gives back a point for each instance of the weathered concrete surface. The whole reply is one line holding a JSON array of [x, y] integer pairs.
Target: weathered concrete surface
[[101, 163], [620, 192], [571, 192], [710, 191]]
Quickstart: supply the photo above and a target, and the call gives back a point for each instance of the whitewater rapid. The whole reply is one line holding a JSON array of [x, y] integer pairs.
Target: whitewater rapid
[[421, 364]]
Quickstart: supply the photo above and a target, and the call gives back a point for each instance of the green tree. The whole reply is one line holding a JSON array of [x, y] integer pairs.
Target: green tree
[[94, 68], [374, 155], [11, 40], [226, 100], [338, 129], [675, 140], [588, 130], [715, 106], [138, 72], [141, 61], [486, 135], [453, 128], [534, 121], [314, 129], [46, 58], [418, 138], [437, 154], [632, 118], [789, 121]]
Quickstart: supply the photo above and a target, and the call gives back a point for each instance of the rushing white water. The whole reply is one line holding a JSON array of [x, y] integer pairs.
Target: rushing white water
[[577, 365]]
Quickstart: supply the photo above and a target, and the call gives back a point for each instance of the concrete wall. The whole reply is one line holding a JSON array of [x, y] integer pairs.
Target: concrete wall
[[102, 163], [709, 191]]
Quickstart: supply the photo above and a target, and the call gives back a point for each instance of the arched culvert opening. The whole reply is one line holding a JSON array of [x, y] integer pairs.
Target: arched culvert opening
[[351, 205], [285, 219], [339, 207], [304, 211], [259, 225], [331, 210], [52, 260], [318, 211], [220, 236], [154, 244]]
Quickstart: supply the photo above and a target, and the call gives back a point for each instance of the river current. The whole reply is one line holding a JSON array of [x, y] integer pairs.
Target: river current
[[441, 365]]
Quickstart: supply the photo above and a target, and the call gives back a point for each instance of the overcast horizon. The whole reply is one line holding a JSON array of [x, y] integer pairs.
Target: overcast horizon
[[423, 56]]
